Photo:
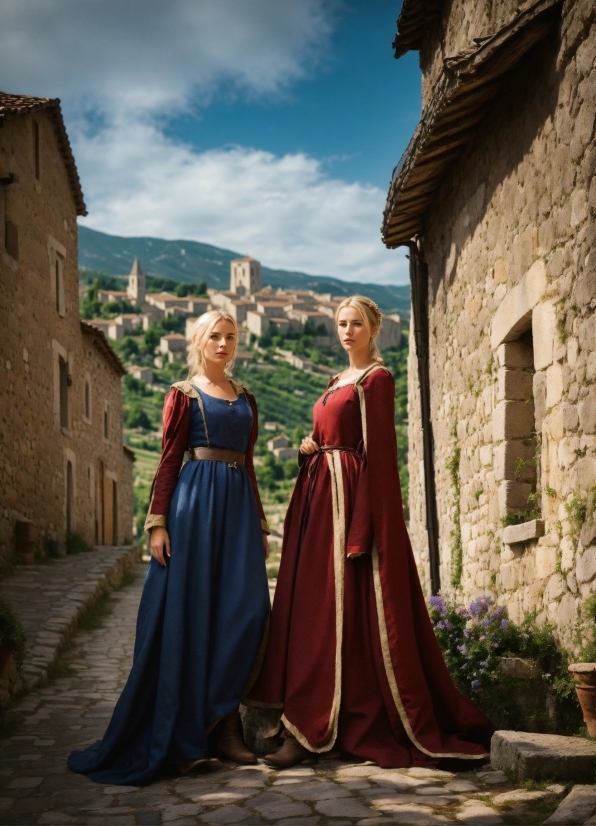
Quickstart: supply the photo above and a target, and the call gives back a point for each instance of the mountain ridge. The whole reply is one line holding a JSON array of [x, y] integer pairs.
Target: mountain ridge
[[193, 261]]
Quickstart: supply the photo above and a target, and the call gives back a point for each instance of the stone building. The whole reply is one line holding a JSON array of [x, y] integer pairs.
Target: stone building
[[496, 197], [137, 286], [63, 468], [245, 276]]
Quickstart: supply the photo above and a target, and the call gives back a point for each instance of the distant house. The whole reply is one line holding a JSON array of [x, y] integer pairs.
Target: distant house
[[285, 453], [257, 323], [111, 295], [173, 346], [142, 373], [271, 426], [109, 327], [244, 359], [278, 442], [390, 332], [63, 467]]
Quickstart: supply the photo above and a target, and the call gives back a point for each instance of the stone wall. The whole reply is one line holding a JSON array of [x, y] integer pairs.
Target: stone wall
[[511, 248], [36, 329]]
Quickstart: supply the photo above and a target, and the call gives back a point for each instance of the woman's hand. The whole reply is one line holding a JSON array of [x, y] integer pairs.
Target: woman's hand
[[308, 445], [159, 544], [265, 544]]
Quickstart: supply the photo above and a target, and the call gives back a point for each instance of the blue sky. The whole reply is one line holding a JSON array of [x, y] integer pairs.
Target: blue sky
[[356, 111], [268, 127]]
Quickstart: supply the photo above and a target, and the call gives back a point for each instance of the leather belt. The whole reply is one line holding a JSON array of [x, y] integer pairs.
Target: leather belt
[[232, 458]]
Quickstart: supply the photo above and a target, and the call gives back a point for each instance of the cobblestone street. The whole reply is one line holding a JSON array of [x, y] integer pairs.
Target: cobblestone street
[[72, 711]]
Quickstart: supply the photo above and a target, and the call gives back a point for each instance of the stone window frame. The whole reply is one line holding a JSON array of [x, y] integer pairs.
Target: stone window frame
[[523, 308], [87, 408], [58, 352], [70, 456], [57, 265]]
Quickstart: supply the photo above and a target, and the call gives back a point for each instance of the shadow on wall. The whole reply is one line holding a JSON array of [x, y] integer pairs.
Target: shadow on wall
[[520, 110]]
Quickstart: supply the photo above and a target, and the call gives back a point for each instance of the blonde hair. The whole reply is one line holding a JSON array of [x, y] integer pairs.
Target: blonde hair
[[198, 338], [371, 315]]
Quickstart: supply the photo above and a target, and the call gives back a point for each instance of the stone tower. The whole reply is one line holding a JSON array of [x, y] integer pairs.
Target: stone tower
[[245, 276], [136, 283]]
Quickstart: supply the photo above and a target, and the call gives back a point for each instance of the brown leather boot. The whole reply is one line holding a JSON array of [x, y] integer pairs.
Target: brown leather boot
[[288, 755], [230, 744]]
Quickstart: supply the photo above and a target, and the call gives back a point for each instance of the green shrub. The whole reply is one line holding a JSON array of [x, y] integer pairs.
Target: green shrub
[[474, 638], [12, 634], [75, 544]]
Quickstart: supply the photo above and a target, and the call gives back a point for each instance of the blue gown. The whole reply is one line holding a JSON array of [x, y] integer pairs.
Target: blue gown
[[201, 618]]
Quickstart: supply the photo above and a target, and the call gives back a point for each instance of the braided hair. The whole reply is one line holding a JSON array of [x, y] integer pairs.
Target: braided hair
[[372, 317]]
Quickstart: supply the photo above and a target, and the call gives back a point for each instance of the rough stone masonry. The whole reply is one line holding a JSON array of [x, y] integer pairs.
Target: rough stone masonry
[[509, 240]]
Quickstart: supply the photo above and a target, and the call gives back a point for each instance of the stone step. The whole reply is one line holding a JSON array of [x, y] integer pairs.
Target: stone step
[[56, 595], [530, 756], [577, 807]]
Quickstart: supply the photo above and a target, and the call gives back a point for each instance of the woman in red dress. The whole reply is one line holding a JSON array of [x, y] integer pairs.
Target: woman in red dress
[[352, 659]]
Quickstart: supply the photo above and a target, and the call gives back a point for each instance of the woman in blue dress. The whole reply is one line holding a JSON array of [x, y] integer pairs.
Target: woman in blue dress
[[205, 604]]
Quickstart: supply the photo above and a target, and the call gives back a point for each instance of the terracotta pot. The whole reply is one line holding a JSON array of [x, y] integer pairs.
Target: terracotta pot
[[584, 676]]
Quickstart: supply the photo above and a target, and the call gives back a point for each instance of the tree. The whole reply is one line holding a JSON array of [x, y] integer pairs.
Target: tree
[[135, 416]]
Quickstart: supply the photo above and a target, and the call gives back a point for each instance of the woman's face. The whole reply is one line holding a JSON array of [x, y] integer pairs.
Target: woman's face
[[352, 332], [221, 344]]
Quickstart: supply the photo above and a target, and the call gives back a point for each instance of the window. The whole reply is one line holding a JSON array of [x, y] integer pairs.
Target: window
[[64, 385], [106, 421], [36, 158], [59, 284], [87, 400]]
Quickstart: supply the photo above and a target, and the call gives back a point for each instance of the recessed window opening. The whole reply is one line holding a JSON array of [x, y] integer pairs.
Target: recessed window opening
[[106, 421], [64, 382], [521, 447], [87, 399], [59, 284]]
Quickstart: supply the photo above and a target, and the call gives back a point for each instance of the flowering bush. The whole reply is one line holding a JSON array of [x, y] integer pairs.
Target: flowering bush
[[472, 639]]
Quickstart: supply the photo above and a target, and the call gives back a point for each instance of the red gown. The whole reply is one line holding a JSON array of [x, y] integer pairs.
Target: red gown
[[351, 657]]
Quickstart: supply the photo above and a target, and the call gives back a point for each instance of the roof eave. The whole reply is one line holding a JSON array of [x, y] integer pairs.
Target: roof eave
[[103, 346], [52, 106], [463, 94]]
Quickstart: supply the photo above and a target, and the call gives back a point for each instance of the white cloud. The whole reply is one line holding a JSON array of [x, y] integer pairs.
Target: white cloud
[[124, 67], [144, 55], [284, 211]]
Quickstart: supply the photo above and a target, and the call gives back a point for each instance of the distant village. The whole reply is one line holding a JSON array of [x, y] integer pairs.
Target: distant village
[[258, 311]]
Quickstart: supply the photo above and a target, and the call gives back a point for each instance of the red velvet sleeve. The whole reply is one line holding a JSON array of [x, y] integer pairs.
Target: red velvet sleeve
[[381, 453], [176, 423], [249, 463]]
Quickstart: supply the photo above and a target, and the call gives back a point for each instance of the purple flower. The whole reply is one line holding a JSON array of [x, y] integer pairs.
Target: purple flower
[[476, 685], [480, 606], [484, 664], [467, 633], [504, 623], [438, 603], [463, 649]]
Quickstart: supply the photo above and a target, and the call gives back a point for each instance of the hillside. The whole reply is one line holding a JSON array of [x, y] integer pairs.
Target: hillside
[[190, 261]]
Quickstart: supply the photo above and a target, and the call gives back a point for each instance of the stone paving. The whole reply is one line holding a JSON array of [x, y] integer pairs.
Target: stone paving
[[73, 710], [51, 598]]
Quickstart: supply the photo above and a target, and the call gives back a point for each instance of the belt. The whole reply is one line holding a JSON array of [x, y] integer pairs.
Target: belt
[[232, 458], [313, 467]]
